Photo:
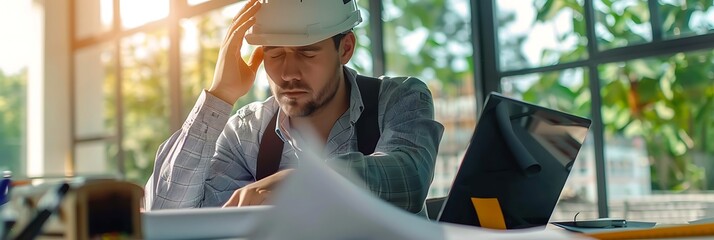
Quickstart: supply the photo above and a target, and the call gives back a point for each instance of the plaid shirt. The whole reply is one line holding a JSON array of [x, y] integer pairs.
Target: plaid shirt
[[202, 164]]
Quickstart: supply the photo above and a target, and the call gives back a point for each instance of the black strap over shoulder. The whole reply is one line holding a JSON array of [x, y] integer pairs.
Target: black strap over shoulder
[[270, 151], [366, 127]]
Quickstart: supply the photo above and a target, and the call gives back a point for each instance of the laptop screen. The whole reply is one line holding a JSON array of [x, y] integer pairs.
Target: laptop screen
[[516, 165]]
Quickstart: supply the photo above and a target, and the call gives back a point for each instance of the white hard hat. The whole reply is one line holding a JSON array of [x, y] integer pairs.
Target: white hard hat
[[301, 22]]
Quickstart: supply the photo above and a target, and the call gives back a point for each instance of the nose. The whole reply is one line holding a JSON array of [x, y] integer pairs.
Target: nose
[[291, 67]]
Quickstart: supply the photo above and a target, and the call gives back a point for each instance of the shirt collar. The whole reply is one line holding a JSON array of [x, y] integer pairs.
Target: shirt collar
[[355, 110], [356, 105]]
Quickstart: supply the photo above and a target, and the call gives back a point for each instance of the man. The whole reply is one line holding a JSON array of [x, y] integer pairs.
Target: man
[[304, 45]]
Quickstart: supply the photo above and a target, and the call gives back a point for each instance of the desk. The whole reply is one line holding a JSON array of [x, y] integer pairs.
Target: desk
[[90, 207]]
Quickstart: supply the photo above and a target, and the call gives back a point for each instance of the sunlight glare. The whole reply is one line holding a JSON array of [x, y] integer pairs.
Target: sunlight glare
[[196, 2], [18, 22], [135, 13], [106, 12]]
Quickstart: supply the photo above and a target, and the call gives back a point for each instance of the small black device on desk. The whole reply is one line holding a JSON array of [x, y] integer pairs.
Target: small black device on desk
[[601, 223]]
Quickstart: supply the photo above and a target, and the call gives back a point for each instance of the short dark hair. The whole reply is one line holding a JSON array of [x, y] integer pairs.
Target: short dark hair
[[338, 38]]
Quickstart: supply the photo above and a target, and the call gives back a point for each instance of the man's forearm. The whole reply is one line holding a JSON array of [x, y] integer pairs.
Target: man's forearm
[[181, 163], [393, 178]]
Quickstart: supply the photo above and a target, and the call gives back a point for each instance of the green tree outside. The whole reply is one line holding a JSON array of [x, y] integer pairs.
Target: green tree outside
[[13, 112], [667, 101]]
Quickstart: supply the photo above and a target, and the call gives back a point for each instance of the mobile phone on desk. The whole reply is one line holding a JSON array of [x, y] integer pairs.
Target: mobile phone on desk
[[601, 223]]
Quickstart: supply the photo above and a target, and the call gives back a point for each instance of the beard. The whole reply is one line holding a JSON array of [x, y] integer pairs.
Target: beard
[[295, 108]]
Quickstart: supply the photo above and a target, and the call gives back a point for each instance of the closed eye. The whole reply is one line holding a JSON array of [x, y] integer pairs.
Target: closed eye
[[276, 55]]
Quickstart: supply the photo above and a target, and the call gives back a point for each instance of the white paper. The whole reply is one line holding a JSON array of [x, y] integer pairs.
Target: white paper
[[201, 223]]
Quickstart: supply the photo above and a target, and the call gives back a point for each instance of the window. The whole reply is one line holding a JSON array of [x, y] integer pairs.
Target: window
[[686, 18], [132, 87], [657, 113], [362, 57], [95, 120], [134, 13], [622, 23], [568, 91], [641, 69], [14, 74], [431, 41], [539, 33], [12, 121], [145, 101], [93, 17]]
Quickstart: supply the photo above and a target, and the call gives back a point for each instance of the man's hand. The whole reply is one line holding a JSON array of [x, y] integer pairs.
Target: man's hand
[[257, 193], [233, 77]]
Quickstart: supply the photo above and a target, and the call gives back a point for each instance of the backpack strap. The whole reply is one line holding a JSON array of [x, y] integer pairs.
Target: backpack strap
[[367, 128]]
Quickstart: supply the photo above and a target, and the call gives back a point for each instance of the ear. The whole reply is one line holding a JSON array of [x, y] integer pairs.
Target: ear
[[347, 47]]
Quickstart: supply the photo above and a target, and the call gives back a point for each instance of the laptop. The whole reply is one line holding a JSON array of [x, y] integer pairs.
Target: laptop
[[515, 166]]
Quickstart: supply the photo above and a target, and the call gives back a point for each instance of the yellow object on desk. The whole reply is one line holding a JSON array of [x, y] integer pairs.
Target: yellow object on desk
[[690, 230], [489, 213]]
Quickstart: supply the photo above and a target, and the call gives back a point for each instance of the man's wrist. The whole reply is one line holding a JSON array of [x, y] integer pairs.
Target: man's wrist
[[223, 96]]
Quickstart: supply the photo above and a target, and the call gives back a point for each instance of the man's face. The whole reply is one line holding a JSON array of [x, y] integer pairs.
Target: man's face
[[303, 79]]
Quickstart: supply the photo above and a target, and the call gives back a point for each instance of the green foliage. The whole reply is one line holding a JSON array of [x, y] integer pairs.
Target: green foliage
[[677, 17], [12, 120], [145, 102], [562, 91], [443, 35], [667, 101], [548, 16], [622, 23], [198, 70], [362, 59]]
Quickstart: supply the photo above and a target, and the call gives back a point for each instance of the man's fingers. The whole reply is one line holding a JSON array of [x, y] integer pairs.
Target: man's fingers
[[244, 27], [248, 11], [244, 17], [234, 200], [255, 197], [250, 198], [255, 59], [264, 196], [239, 34], [243, 9], [236, 37], [245, 198]]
